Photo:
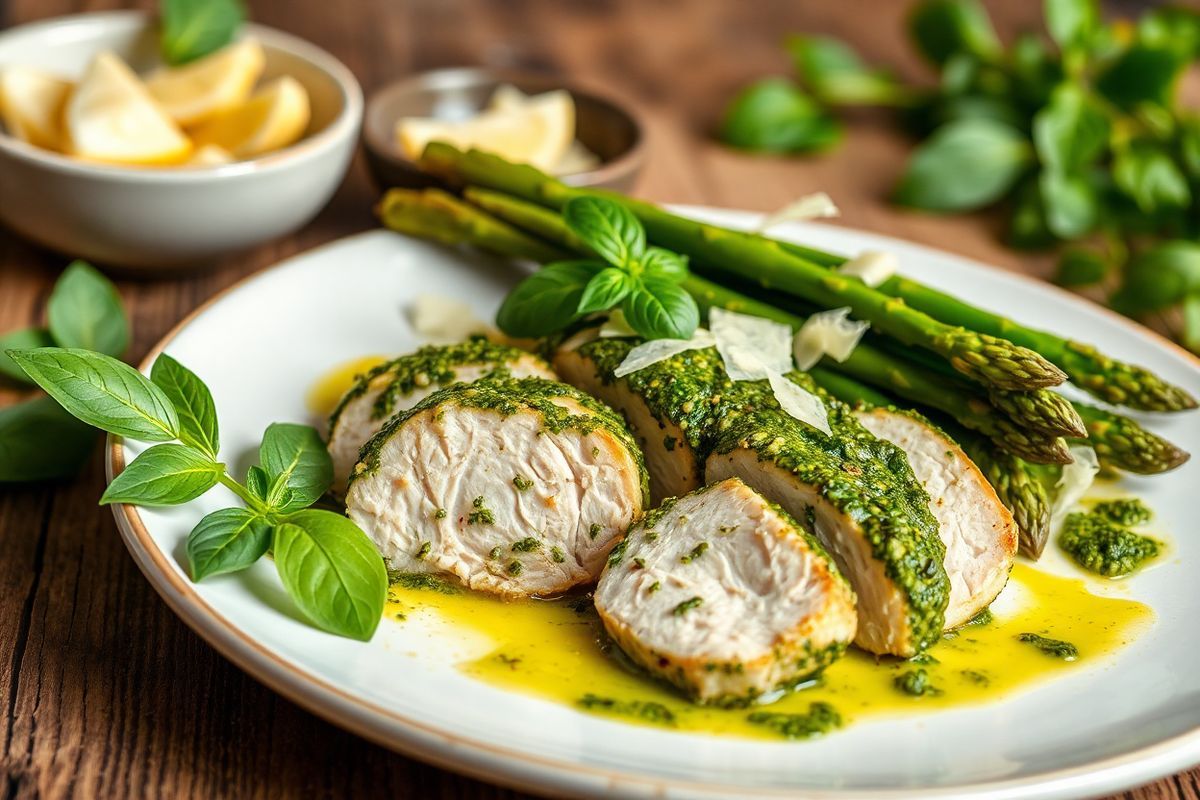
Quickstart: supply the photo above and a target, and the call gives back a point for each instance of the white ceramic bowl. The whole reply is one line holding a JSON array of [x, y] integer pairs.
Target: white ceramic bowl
[[151, 220]]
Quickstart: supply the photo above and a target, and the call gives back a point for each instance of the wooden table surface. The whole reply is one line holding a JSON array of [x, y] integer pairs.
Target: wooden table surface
[[105, 693]]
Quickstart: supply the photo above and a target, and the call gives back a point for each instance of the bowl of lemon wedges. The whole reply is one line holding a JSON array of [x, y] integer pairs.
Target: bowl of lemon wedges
[[126, 148]]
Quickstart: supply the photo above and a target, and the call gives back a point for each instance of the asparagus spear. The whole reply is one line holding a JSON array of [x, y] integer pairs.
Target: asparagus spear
[[1122, 443], [1110, 380], [983, 358], [1015, 481]]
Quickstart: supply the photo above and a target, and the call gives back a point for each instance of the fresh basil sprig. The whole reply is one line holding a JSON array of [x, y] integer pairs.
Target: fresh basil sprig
[[195, 28], [38, 439], [327, 564], [642, 281]]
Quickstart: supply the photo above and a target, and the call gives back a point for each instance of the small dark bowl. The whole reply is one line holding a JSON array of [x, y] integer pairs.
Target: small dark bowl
[[610, 131]]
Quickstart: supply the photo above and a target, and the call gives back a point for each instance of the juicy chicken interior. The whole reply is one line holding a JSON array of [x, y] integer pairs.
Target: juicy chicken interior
[[670, 406], [726, 596], [858, 495], [514, 487], [977, 530], [403, 382]]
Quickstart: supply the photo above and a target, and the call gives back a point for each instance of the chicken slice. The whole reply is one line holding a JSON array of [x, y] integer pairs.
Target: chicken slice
[[726, 596], [860, 498], [670, 406], [977, 530], [402, 383], [514, 487]]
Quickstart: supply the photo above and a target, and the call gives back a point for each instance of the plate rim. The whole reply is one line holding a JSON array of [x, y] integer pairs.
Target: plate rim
[[483, 760]]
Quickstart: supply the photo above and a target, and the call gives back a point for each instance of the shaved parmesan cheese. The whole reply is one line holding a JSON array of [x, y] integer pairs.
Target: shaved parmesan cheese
[[810, 206], [444, 319], [827, 333], [1076, 479], [800, 403], [656, 350], [751, 347], [872, 267], [615, 327]]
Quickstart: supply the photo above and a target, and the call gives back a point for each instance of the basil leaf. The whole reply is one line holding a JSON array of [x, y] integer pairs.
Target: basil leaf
[[1191, 322], [547, 301], [164, 475], [1173, 27], [227, 541], [1027, 227], [1159, 278], [942, 28], [661, 309], [607, 227], [102, 392], [1071, 22], [193, 403], [606, 288], [195, 28], [964, 165], [296, 461], [332, 571], [1143, 73], [26, 339], [258, 483], [660, 263], [1081, 268], [837, 75], [1071, 204], [776, 116], [1189, 146], [1071, 132], [40, 441], [85, 311], [1147, 173]]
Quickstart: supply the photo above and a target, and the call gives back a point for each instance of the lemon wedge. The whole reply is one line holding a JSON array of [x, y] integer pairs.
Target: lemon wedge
[[198, 91], [274, 117], [112, 117], [210, 155], [31, 104], [534, 130]]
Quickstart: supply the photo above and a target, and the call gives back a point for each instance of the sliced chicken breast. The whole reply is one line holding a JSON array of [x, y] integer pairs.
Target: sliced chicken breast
[[858, 495], [726, 596], [402, 383], [670, 406], [515, 487], [977, 530]]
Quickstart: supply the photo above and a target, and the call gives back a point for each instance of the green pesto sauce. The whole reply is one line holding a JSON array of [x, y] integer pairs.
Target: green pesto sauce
[[526, 545], [820, 719], [870, 482], [432, 365], [687, 605], [422, 580], [1055, 648], [507, 396], [644, 710], [1127, 511], [1108, 548], [915, 682]]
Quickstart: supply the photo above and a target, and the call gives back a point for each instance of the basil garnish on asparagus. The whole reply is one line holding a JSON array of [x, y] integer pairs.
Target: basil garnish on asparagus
[[642, 281], [327, 564]]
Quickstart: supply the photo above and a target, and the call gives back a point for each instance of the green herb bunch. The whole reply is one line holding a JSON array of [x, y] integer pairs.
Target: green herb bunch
[[191, 29], [1079, 137], [38, 439], [327, 564], [643, 281]]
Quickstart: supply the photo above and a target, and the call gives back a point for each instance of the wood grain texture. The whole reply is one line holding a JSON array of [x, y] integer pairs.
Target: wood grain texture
[[105, 693]]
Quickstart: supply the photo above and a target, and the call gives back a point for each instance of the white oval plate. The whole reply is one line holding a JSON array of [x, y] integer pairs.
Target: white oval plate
[[261, 346]]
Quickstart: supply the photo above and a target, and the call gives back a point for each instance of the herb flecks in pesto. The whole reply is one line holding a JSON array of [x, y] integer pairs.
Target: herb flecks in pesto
[[1127, 511], [522, 483], [644, 710], [694, 554], [820, 720], [915, 682], [423, 551], [482, 515], [556, 555], [496, 553], [1055, 648], [654, 587], [515, 568], [439, 514], [422, 580], [594, 530], [669, 443], [687, 605], [526, 545], [1105, 547]]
